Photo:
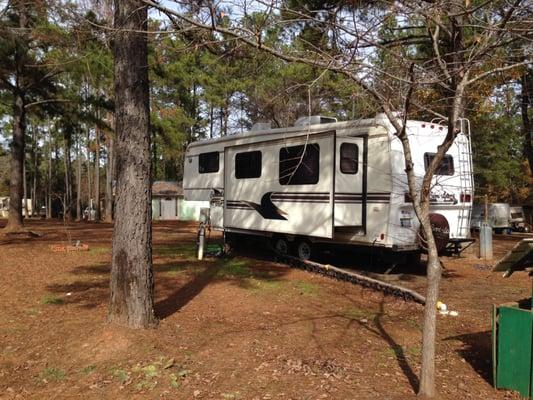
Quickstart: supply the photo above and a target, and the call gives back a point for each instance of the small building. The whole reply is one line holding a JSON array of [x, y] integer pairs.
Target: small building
[[168, 203]]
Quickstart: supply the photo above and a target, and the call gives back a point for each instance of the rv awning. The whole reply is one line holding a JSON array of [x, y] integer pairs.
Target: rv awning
[[518, 258]]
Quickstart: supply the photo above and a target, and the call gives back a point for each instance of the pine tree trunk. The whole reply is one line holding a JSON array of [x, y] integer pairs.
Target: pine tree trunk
[[525, 103], [34, 209], [14, 221], [226, 116], [211, 116], [65, 188], [132, 285], [97, 176], [49, 183], [78, 180], [89, 181], [68, 206], [25, 188], [109, 181]]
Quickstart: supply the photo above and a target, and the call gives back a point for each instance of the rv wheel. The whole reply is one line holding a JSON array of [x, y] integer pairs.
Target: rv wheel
[[281, 245], [304, 250]]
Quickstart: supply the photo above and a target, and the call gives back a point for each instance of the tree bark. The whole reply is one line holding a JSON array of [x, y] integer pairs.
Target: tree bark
[[211, 116], [526, 82], [68, 206], [89, 183], [49, 183], [97, 175], [25, 188], [14, 221], [78, 179], [109, 181], [132, 285], [34, 208]]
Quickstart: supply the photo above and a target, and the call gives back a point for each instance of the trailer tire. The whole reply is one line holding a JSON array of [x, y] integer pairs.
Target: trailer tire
[[280, 245], [304, 249], [441, 232]]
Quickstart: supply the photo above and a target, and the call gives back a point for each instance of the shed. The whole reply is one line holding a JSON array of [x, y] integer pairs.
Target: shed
[[165, 200], [168, 203]]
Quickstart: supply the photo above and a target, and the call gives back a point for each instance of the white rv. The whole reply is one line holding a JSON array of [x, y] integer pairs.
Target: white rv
[[328, 182]]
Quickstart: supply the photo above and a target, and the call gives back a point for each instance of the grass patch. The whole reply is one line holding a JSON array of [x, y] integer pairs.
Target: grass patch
[[185, 251], [100, 250], [264, 286], [306, 288], [413, 323], [52, 374], [89, 369], [148, 376], [122, 375], [235, 268], [174, 270], [404, 352], [51, 299]]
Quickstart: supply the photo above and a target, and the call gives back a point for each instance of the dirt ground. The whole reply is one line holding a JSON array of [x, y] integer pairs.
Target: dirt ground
[[235, 328]]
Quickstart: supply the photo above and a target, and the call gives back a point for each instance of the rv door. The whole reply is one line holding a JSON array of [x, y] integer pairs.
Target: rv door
[[350, 187]]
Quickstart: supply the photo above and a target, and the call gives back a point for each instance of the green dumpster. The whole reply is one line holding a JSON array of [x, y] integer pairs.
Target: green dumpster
[[512, 329]]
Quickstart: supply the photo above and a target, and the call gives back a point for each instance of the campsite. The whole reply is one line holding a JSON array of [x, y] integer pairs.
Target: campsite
[[267, 331], [266, 199]]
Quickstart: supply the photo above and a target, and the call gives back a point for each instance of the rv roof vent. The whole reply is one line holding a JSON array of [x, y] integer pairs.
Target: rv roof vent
[[261, 126], [314, 120]]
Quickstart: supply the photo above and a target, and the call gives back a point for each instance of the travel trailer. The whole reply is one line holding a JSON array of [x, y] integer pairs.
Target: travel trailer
[[327, 182], [498, 217], [518, 220]]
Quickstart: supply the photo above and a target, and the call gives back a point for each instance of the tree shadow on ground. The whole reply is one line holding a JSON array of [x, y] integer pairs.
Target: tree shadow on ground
[[398, 350], [477, 351], [176, 300], [395, 347], [177, 282], [373, 323], [236, 271]]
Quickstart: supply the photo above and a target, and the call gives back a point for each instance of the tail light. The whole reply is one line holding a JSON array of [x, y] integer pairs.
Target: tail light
[[466, 197], [407, 198]]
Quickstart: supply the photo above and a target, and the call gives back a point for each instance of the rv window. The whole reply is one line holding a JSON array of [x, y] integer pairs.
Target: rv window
[[248, 165], [299, 165], [208, 162], [445, 167], [349, 158]]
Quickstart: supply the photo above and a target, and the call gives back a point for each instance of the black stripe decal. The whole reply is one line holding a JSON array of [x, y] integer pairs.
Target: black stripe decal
[[300, 201], [302, 193], [289, 198], [361, 202]]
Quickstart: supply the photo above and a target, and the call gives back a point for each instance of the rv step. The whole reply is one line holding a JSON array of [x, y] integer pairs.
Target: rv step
[[357, 279]]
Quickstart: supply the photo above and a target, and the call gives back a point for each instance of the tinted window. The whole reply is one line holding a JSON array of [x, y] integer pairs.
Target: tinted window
[[248, 165], [208, 162], [349, 158], [299, 165], [445, 167]]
